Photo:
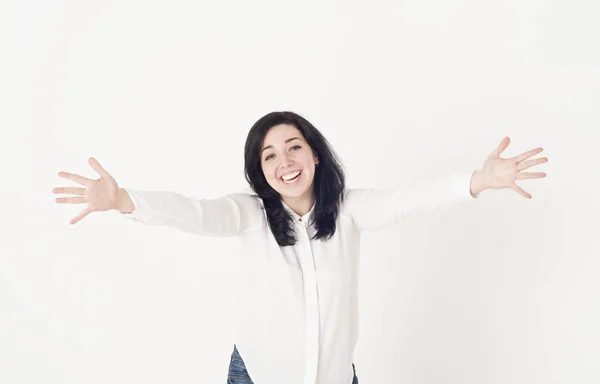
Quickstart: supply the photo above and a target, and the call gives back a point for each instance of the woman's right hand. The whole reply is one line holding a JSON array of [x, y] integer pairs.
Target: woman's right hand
[[100, 195]]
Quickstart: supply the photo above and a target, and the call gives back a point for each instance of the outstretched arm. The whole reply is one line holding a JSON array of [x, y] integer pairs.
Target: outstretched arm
[[228, 215], [371, 209], [224, 216]]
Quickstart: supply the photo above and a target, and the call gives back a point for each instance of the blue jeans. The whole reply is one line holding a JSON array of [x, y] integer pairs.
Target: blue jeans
[[239, 375]]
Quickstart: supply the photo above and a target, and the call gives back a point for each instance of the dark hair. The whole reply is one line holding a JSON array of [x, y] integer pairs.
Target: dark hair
[[329, 179]]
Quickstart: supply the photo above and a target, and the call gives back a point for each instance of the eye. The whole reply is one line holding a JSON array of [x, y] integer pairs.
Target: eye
[[295, 148]]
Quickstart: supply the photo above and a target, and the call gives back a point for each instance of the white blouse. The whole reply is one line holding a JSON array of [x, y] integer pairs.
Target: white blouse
[[299, 303]]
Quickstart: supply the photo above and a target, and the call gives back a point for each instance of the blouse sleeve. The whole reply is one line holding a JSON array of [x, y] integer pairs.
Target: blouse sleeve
[[372, 209], [228, 215]]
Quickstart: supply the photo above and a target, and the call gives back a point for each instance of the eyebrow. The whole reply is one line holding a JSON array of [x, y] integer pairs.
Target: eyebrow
[[287, 141]]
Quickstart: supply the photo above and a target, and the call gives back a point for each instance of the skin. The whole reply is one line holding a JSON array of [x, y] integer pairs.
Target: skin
[[104, 194], [499, 173], [284, 151]]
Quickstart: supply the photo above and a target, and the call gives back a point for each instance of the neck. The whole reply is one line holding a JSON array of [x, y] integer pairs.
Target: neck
[[300, 205]]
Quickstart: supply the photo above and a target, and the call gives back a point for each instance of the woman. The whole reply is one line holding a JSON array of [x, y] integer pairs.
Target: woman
[[299, 230]]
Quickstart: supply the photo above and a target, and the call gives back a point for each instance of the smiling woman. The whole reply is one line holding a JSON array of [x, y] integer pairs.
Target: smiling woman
[[283, 164], [299, 233], [282, 157]]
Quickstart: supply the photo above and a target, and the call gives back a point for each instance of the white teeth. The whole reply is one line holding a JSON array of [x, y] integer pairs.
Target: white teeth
[[290, 176]]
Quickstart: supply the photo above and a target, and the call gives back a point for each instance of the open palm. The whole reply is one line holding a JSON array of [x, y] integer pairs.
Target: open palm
[[100, 194], [501, 172]]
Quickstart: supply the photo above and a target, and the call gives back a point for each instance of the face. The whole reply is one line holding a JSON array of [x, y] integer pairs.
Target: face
[[288, 162]]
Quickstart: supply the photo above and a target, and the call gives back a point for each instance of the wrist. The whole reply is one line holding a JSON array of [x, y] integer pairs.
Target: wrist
[[477, 184], [124, 202]]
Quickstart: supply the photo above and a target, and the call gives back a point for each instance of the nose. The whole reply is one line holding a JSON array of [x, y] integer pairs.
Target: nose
[[285, 161]]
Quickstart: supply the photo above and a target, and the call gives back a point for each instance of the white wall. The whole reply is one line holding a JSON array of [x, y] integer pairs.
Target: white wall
[[501, 290]]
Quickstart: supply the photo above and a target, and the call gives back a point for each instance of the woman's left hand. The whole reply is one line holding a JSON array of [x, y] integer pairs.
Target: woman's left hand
[[498, 173]]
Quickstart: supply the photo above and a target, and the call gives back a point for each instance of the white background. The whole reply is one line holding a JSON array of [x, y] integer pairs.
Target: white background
[[499, 290]]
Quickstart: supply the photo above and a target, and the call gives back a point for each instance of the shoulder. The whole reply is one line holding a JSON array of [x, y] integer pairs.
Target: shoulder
[[247, 199], [351, 199], [250, 207]]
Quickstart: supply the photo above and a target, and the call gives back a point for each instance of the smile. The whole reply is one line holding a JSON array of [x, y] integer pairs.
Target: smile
[[291, 177]]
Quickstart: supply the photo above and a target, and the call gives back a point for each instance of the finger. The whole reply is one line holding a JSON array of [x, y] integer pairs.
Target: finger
[[526, 155], [530, 163], [502, 146], [81, 215], [520, 191], [73, 177], [69, 190], [70, 200], [97, 167], [530, 175]]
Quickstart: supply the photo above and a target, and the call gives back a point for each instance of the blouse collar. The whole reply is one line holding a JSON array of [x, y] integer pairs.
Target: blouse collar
[[297, 218]]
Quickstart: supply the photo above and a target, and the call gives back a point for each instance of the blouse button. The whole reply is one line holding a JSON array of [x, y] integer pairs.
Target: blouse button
[[300, 219]]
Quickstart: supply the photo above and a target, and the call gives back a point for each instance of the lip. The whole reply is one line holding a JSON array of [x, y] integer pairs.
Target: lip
[[287, 173]]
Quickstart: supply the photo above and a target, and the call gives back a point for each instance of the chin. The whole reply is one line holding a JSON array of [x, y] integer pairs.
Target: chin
[[293, 195], [292, 192]]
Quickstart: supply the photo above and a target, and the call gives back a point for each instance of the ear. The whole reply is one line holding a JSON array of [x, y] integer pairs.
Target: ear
[[316, 159]]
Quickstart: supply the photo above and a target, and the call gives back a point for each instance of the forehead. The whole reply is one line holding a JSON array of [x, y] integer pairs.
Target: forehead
[[278, 134]]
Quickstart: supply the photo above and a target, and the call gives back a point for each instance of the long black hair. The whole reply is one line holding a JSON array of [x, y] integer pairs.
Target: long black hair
[[329, 179]]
